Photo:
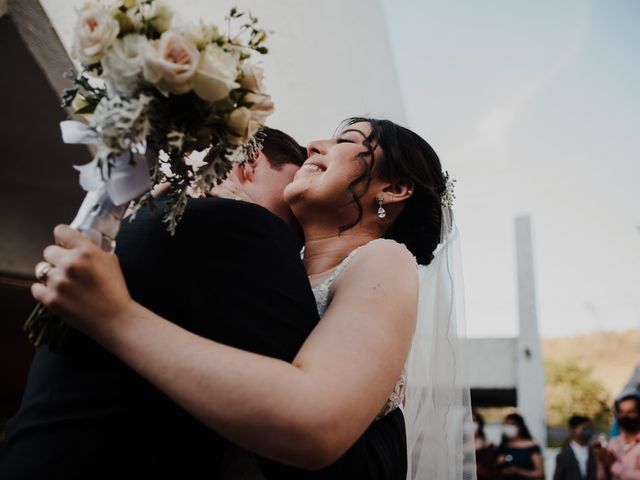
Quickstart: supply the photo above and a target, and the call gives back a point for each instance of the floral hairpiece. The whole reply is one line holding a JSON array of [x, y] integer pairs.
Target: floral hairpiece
[[448, 196]]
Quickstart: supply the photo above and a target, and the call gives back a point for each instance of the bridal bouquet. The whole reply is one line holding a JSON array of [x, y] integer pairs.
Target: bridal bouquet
[[154, 88]]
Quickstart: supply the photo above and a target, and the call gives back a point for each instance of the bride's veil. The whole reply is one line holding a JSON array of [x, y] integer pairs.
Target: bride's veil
[[438, 407]]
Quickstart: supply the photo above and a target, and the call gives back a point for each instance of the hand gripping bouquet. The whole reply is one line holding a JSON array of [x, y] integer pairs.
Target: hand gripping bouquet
[[154, 88]]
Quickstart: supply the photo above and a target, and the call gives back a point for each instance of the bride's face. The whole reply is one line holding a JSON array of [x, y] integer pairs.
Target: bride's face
[[324, 179]]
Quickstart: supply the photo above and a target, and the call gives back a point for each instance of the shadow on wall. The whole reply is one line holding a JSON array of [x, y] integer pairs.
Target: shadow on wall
[[38, 189]]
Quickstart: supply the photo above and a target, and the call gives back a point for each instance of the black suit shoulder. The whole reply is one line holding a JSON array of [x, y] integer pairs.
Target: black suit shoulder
[[232, 272], [249, 260]]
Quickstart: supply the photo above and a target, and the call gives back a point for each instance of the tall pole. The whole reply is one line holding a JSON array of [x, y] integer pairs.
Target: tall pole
[[530, 366]]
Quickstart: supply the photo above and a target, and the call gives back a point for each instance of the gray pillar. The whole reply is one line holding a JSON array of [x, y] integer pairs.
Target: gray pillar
[[530, 366]]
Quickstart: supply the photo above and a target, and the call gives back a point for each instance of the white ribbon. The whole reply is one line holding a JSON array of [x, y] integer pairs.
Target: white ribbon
[[125, 181], [109, 190]]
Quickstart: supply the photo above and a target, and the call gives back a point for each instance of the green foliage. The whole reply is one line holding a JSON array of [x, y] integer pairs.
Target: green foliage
[[571, 390]]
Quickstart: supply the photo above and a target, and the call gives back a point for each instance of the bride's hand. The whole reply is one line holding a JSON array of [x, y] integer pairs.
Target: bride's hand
[[84, 285]]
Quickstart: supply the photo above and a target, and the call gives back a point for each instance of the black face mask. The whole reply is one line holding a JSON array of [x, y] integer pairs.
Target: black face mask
[[585, 436], [629, 424]]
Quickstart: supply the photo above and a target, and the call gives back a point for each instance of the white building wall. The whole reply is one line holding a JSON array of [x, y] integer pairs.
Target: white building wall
[[328, 59], [492, 362]]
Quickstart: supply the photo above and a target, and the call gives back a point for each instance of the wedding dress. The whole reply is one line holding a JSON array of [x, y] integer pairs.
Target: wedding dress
[[434, 385], [322, 294]]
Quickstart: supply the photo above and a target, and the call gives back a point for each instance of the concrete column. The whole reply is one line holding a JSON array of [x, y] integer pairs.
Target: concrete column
[[530, 366]]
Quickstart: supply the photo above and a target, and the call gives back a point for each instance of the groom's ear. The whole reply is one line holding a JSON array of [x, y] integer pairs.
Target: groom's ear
[[249, 168], [397, 191], [246, 172]]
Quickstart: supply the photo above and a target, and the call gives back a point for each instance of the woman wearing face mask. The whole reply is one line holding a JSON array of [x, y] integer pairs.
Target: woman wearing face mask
[[519, 457], [486, 451]]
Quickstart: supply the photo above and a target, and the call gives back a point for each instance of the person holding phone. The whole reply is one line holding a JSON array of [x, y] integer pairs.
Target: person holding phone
[[519, 457]]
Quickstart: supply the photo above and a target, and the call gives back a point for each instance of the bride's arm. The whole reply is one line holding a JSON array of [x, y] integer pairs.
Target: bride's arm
[[305, 414]]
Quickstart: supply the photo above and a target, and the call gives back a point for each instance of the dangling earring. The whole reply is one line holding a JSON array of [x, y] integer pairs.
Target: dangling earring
[[381, 211]]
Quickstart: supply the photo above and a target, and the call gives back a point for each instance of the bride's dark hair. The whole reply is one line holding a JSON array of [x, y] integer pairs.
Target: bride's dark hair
[[404, 155]]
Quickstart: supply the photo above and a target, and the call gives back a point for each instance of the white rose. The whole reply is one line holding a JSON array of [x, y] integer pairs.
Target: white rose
[[95, 30], [243, 125], [235, 50], [200, 34], [122, 64], [252, 77], [216, 74], [260, 105], [170, 63]]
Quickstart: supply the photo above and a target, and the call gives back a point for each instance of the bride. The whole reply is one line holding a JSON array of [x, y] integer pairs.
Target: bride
[[370, 202]]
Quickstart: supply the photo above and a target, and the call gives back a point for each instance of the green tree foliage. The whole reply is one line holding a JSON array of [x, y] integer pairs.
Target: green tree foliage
[[570, 390]]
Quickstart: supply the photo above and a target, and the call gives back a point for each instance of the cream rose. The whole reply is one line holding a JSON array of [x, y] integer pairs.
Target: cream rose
[[170, 63], [252, 77], [123, 63], [95, 30], [242, 125], [200, 34], [260, 105], [216, 74]]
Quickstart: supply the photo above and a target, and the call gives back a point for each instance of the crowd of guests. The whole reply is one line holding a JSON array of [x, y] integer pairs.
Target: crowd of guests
[[582, 458]]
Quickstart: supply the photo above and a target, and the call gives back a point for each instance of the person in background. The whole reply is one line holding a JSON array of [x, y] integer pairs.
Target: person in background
[[620, 460], [519, 457], [486, 452], [577, 460]]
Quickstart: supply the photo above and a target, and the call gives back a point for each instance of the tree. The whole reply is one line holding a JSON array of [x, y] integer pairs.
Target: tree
[[570, 390]]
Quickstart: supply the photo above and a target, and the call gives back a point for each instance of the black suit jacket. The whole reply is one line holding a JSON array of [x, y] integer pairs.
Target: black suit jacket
[[232, 273], [567, 466]]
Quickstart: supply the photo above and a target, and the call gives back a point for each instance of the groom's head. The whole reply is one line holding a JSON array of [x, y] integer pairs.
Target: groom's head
[[264, 180]]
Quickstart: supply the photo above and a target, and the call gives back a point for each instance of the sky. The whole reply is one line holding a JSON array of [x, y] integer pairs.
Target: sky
[[534, 107]]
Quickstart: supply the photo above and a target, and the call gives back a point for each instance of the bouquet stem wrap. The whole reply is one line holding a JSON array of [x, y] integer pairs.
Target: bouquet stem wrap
[[99, 217]]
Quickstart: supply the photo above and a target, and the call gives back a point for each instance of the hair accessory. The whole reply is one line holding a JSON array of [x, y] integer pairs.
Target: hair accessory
[[381, 211], [448, 195]]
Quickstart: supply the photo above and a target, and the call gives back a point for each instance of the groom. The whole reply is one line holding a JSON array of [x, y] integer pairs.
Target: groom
[[232, 273]]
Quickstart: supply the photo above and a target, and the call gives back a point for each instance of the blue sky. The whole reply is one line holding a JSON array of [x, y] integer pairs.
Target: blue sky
[[535, 108]]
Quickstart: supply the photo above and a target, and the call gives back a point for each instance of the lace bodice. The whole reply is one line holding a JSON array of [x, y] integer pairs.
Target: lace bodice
[[322, 293]]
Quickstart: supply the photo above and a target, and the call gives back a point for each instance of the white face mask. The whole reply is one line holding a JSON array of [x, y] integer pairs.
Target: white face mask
[[510, 431], [475, 427]]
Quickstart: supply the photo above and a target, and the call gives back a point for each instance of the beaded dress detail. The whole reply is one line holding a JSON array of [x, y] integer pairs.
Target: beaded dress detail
[[322, 294]]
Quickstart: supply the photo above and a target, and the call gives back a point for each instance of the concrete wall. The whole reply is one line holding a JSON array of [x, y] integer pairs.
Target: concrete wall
[[492, 362]]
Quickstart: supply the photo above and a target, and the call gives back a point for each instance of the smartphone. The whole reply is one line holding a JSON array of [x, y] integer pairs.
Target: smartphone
[[602, 440]]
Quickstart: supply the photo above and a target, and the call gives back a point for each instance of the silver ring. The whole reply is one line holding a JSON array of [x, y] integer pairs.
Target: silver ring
[[41, 273]]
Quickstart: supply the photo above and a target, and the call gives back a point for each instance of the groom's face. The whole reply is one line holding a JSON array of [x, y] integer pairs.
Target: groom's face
[[267, 182], [264, 184]]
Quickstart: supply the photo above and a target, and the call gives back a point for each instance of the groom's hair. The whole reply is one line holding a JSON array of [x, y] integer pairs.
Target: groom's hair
[[281, 149]]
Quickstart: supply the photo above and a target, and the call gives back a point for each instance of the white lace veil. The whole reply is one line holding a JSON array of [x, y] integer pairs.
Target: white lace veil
[[438, 406]]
